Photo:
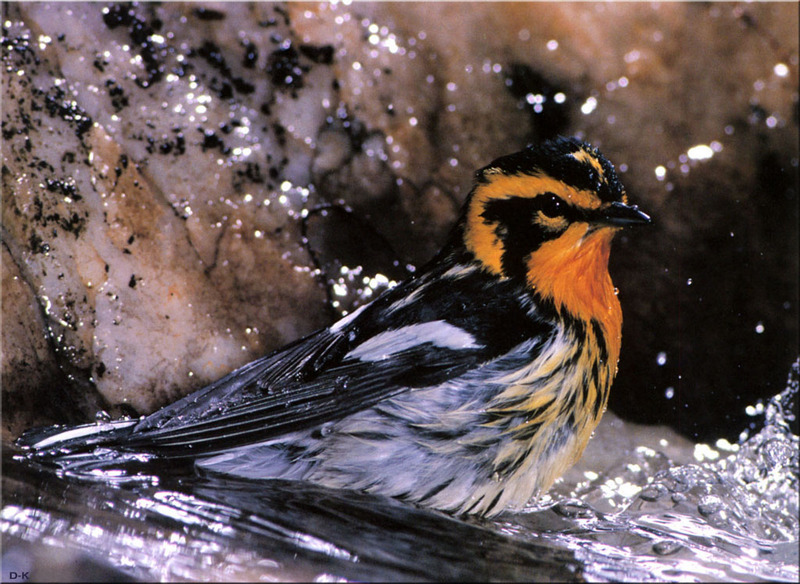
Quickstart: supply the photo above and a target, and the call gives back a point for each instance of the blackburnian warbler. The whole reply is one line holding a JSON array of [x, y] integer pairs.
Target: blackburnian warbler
[[470, 387]]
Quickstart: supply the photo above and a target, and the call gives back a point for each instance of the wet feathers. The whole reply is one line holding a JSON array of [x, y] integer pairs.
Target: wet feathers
[[469, 387]]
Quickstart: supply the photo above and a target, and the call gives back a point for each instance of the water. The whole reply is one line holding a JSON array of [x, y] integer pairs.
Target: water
[[643, 505]]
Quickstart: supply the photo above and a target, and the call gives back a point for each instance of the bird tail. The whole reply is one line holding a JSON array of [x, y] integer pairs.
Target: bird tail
[[91, 451]]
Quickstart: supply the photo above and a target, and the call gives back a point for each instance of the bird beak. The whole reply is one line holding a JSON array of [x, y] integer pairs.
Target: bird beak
[[622, 215]]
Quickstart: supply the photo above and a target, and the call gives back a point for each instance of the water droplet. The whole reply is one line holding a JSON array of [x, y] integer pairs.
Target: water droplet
[[653, 493], [589, 105], [781, 70], [775, 453], [574, 510], [661, 358], [666, 547], [709, 505]]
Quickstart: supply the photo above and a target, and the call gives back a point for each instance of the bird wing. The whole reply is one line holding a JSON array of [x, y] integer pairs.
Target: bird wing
[[321, 378], [257, 403], [224, 401], [388, 347]]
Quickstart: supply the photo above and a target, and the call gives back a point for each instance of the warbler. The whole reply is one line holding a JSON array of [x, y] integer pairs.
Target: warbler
[[469, 387]]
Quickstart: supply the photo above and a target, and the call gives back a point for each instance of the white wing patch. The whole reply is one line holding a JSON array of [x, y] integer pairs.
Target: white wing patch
[[344, 321], [82, 432], [438, 332]]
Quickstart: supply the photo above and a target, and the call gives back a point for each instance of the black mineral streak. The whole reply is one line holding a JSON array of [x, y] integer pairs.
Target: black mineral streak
[[140, 32], [322, 54], [212, 54], [208, 14], [284, 69]]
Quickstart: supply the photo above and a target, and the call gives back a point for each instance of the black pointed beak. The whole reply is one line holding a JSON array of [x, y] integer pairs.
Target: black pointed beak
[[622, 215]]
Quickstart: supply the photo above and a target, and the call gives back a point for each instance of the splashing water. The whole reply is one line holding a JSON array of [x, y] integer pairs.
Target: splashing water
[[639, 507], [722, 517]]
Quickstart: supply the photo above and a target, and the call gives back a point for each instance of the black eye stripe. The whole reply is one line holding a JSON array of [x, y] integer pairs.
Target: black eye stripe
[[551, 205], [520, 210], [515, 224]]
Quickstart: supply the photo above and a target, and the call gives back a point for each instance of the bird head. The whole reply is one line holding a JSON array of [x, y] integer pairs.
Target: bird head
[[547, 215]]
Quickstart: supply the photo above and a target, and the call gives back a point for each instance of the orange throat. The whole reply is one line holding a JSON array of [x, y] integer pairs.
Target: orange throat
[[572, 272]]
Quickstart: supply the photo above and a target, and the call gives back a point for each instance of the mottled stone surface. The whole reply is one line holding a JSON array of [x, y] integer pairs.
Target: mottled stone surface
[[187, 187]]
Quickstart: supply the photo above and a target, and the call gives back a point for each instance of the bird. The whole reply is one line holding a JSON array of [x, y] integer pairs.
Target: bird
[[469, 387]]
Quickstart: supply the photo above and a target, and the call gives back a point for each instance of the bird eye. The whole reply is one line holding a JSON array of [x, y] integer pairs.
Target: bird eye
[[551, 205]]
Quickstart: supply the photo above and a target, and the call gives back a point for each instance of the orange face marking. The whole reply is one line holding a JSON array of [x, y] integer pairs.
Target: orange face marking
[[481, 237], [588, 157], [572, 271]]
